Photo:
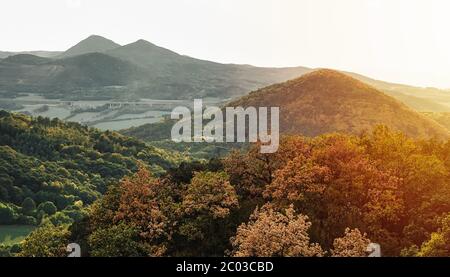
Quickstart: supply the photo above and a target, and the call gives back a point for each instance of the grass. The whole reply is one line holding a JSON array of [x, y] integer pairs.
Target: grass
[[12, 234]]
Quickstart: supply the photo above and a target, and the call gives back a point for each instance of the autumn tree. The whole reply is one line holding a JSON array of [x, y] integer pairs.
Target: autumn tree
[[300, 176], [271, 233], [210, 194], [140, 206], [423, 171], [352, 244], [338, 186], [252, 171]]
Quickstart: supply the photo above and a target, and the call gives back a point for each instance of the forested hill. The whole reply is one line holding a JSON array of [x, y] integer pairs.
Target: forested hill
[[327, 101], [50, 169]]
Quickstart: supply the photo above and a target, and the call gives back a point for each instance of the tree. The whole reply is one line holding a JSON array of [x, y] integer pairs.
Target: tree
[[47, 241], [205, 220], [252, 171], [210, 194], [58, 219], [139, 207], [439, 243], [116, 241], [270, 233], [352, 244], [28, 206], [299, 177], [47, 207], [7, 214]]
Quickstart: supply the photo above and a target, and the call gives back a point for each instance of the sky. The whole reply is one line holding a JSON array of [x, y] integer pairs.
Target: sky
[[404, 41]]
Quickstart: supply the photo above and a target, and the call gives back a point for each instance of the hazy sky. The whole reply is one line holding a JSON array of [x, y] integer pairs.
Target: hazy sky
[[405, 41]]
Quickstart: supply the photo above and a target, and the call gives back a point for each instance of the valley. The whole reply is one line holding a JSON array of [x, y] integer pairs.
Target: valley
[[102, 114]]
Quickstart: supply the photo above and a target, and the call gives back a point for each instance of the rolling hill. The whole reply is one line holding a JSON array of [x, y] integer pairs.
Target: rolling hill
[[327, 101]]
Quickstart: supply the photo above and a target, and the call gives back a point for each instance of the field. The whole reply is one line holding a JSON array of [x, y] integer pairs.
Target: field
[[11, 234], [103, 114]]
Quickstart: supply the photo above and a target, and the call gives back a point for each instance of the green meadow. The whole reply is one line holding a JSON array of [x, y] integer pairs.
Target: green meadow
[[11, 234]]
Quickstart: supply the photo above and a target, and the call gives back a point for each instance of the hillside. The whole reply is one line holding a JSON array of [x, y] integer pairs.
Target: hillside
[[63, 165], [174, 76], [25, 59], [442, 118], [422, 99], [66, 77], [95, 70], [329, 101]]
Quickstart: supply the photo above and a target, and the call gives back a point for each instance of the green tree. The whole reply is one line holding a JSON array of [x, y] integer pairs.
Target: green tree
[[28, 206], [47, 207], [116, 241], [47, 241], [439, 243]]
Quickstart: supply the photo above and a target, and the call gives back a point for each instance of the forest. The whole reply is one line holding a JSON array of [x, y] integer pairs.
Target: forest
[[51, 171], [329, 195]]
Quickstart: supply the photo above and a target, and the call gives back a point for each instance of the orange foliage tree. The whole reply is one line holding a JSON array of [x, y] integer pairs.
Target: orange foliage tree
[[271, 233]]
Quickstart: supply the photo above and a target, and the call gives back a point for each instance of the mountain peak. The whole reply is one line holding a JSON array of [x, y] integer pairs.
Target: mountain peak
[[93, 36], [143, 42], [146, 54], [330, 76], [93, 43]]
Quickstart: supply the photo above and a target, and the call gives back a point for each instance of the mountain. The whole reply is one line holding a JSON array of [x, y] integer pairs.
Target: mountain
[[141, 69], [146, 54], [174, 76], [91, 44], [83, 75], [95, 70], [327, 101]]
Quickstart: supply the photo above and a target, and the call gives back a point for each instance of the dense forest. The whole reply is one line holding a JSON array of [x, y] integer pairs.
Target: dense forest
[[324, 196], [51, 171]]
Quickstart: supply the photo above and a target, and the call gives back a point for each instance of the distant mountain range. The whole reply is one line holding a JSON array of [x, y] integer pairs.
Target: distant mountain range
[[98, 68], [327, 101]]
